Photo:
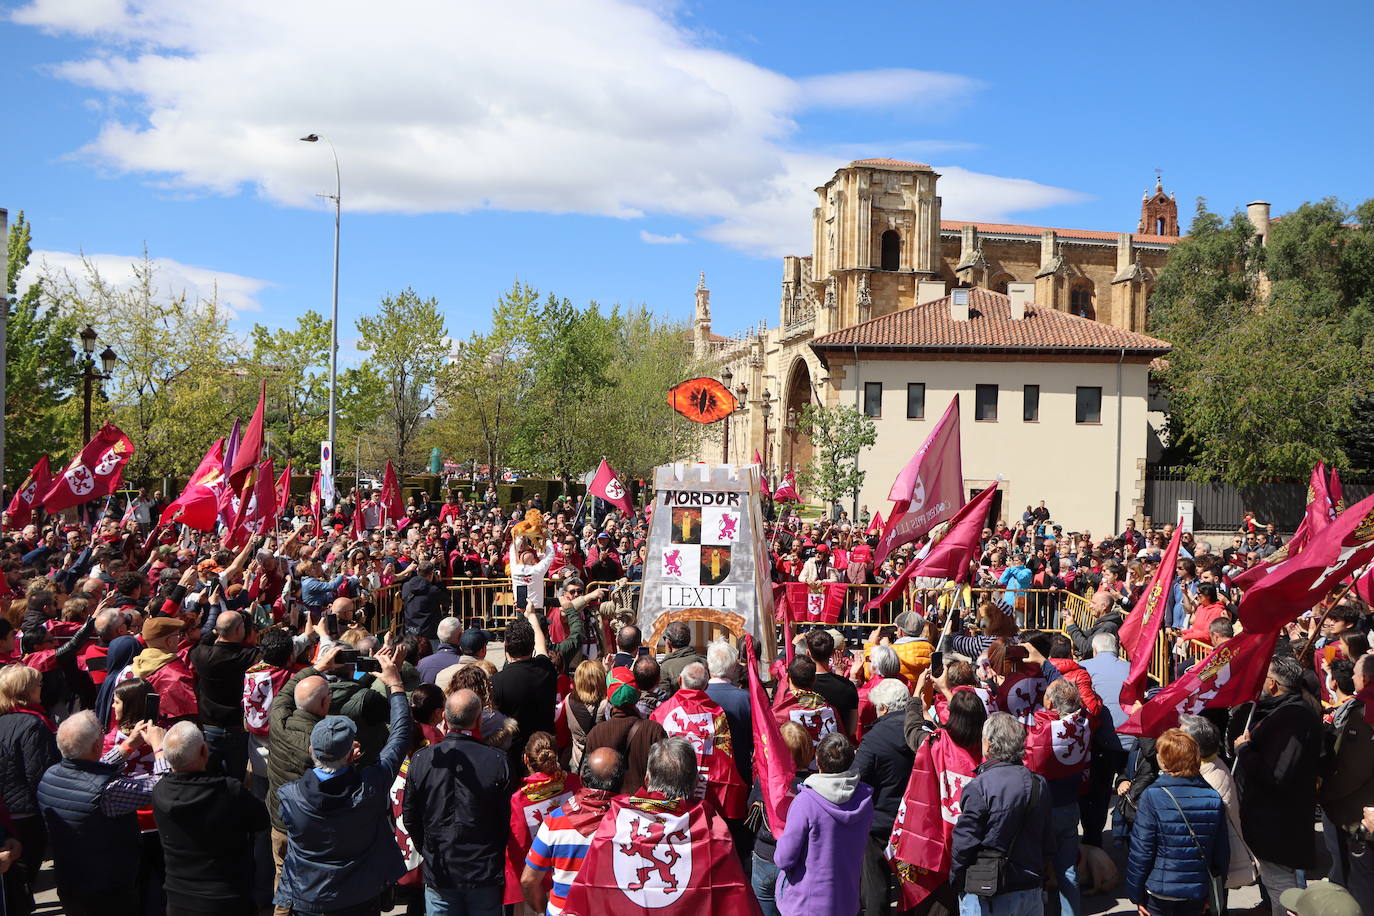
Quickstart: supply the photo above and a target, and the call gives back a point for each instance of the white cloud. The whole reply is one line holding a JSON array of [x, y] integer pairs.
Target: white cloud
[[606, 107], [651, 238], [235, 292]]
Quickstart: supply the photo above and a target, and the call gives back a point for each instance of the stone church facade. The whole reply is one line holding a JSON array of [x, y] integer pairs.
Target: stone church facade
[[880, 245]]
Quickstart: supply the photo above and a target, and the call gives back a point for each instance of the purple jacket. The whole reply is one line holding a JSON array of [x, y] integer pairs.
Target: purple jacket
[[820, 853]]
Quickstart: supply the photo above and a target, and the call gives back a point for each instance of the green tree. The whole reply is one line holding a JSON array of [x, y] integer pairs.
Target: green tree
[[407, 344], [178, 384], [838, 435], [487, 379], [1270, 357], [40, 377], [556, 432]]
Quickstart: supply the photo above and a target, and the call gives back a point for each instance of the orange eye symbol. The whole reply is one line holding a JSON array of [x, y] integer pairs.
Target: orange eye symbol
[[702, 400]]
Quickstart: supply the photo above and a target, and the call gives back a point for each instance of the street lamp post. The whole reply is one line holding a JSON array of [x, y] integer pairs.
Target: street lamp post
[[89, 376], [337, 197]]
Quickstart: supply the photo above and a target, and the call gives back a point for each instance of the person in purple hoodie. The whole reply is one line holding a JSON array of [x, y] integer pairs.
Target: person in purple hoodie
[[821, 849]]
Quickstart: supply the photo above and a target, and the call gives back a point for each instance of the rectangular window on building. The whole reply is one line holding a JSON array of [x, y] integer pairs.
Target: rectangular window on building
[[985, 402], [1088, 408], [915, 400], [873, 399], [1030, 409]]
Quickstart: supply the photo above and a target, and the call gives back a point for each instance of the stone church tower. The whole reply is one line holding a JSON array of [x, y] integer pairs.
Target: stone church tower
[[701, 321], [1158, 212]]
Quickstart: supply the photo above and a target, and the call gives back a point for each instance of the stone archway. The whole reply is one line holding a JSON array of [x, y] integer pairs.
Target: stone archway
[[796, 443]]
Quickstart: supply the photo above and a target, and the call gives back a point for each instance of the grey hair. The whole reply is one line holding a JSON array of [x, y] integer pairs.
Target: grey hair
[[448, 628], [889, 694], [1105, 644], [885, 661], [571, 582], [1063, 697], [76, 735], [182, 744], [672, 769], [1005, 737], [694, 676], [1287, 672], [1203, 732], [721, 658]]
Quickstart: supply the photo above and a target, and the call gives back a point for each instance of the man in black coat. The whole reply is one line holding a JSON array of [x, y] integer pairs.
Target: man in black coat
[[206, 821], [423, 601], [1347, 786], [884, 762], [220, 661], [1277, 765], [457, 812]]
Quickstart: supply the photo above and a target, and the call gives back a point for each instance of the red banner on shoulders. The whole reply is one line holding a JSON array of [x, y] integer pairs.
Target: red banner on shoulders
[[693, 715], [919, 851], [653, 857]]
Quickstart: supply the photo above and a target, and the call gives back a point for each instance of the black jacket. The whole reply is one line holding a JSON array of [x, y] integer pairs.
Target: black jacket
[[341, 849], [1276, 773], [27, 749], [457, 811], [219, 668], [995, 812], [527, 691], [884, 762], [206, 823], [1348, 777], [1109, 622], [423, 606]]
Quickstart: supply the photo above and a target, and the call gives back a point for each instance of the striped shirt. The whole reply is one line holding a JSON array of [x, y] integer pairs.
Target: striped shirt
[[560, 847]]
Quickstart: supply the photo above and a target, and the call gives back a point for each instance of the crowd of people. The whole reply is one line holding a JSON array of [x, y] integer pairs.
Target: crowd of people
[[197, 729]]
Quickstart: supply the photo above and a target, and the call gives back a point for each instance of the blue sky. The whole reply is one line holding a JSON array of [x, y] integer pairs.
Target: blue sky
[[611, 150]]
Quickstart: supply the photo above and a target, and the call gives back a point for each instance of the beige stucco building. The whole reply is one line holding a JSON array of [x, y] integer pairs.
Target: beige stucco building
[[872, 312]]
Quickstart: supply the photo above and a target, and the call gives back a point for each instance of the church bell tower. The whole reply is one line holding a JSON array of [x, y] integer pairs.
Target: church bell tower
[[1158, 212]]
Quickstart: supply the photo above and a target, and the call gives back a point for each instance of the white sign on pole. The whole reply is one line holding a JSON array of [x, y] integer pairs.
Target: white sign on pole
[[1185, 512], [327, 473]]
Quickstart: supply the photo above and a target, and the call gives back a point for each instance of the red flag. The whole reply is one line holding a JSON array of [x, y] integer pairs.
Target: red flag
[[1364, 588], [606, 484], [1298, 583], [1230, 675], [94, 473], [787, 490], [244, 507], [1315, 517], [877, 524], [919, 851], [316, 507], [249, 452], [359, 530], [29, 494], [530, 806], [1335, 494], [653, 857], [283, 490], [819, 603], [693, 715], [949, 557], [774, 767], [262, 512], [929, 488], [392, 509], [198, 505], [1141, 627], [763, 480]]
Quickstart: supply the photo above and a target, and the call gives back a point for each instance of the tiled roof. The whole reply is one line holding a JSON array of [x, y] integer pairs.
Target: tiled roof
[[888, 164], [954, 225], [989, 328]]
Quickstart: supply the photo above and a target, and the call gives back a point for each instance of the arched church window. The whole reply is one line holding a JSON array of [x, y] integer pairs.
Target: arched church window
[[891, 250], [1081, 300], [1159, 226]]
